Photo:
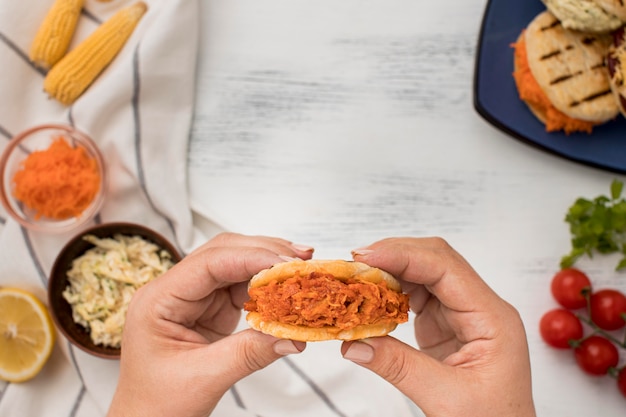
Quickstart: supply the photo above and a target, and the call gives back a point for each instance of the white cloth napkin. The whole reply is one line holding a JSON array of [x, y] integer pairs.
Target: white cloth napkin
[[139, 111]]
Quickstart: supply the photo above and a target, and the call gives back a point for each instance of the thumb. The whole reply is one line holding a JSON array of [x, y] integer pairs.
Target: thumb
[[240, 354], [419, 376]]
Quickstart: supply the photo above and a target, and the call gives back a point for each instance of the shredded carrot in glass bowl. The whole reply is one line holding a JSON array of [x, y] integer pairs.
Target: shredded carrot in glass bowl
[[59, 182], [52, 178]]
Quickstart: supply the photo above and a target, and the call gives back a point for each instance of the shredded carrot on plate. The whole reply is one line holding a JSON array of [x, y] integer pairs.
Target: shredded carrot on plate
[[59, 182]]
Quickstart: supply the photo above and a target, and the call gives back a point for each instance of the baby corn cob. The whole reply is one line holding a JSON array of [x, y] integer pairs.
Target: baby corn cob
[[55, 33], [71, 76]]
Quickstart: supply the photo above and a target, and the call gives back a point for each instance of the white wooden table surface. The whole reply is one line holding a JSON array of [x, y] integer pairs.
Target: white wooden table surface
[[336, 124]]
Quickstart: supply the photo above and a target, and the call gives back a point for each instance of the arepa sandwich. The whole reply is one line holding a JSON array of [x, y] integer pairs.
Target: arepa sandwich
[[319, 300]]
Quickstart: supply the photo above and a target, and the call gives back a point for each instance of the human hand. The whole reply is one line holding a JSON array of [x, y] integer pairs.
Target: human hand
[[178, 354], [473, 358]]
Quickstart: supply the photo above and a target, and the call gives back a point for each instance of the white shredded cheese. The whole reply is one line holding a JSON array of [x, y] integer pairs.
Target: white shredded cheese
[[103, 280]]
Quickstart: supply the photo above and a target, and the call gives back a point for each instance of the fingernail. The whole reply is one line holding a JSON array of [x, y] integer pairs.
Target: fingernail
[[360, 352], [287, 258], [302, 248], [361, 252], [288, 347]]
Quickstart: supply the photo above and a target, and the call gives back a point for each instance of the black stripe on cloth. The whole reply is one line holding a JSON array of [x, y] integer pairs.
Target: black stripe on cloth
[[91, 16], [34, 257], [318, 391], [21, 54], [70, 349], [7, 135], [78, 401], [138, 138], [237, 397], [238, 400], [5, 132], [2, 391], [70, 117]]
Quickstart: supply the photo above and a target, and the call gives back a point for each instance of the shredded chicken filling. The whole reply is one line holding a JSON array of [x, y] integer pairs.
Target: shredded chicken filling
[[320, 300]]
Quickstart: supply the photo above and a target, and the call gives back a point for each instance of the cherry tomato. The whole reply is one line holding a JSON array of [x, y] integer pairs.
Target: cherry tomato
[[596, 355], [607, 308], [569, 287], [621, 381], [559, 326]]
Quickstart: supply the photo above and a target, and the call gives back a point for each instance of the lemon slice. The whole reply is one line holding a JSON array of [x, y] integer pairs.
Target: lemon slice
[[26, 335]]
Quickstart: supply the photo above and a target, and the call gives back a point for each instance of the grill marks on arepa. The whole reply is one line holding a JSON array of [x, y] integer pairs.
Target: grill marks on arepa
[[587, 40], [616, 59], [570, 68]]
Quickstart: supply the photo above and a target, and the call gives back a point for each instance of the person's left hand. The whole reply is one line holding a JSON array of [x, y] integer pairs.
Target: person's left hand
[[178, 354]]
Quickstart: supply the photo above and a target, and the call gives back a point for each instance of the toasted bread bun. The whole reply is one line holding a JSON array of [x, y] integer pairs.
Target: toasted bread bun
[[569, 67], [616, 62], [312, 334], [614, 7], [340, 270], [584, 15]]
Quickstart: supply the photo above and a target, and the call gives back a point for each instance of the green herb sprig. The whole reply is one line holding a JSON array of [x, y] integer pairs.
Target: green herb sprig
[[598, 226]]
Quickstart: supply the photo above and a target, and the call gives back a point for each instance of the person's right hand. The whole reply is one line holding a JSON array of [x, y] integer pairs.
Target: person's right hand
[[473, 358]]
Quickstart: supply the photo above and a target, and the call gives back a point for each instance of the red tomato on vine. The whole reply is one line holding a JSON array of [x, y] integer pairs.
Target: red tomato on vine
[[559, 327], [570, 288], [608, 308], [596, 355]]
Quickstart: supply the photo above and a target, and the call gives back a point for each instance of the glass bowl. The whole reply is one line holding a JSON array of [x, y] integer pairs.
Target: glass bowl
[[40, 138]]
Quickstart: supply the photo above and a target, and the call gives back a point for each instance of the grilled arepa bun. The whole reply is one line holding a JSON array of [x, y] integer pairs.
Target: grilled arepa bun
[[615, 7], [318, 300], [538, 103], [600, 16], [616, 62], [569, 67]]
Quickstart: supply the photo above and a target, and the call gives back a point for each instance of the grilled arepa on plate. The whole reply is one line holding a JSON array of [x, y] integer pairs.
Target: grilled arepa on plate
[[616, 60], [569, 67]]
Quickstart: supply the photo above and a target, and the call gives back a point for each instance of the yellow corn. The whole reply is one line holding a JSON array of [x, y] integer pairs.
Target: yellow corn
[[55, 33], [71, 76]]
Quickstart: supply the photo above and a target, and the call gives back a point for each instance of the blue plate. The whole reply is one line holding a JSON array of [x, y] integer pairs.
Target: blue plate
[[496, 99]]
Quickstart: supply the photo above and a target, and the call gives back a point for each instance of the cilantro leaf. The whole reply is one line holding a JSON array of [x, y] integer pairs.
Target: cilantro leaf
[[597, 226]]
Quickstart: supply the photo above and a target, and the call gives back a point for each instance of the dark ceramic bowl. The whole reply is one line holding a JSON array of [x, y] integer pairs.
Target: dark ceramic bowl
[[61, 310]]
